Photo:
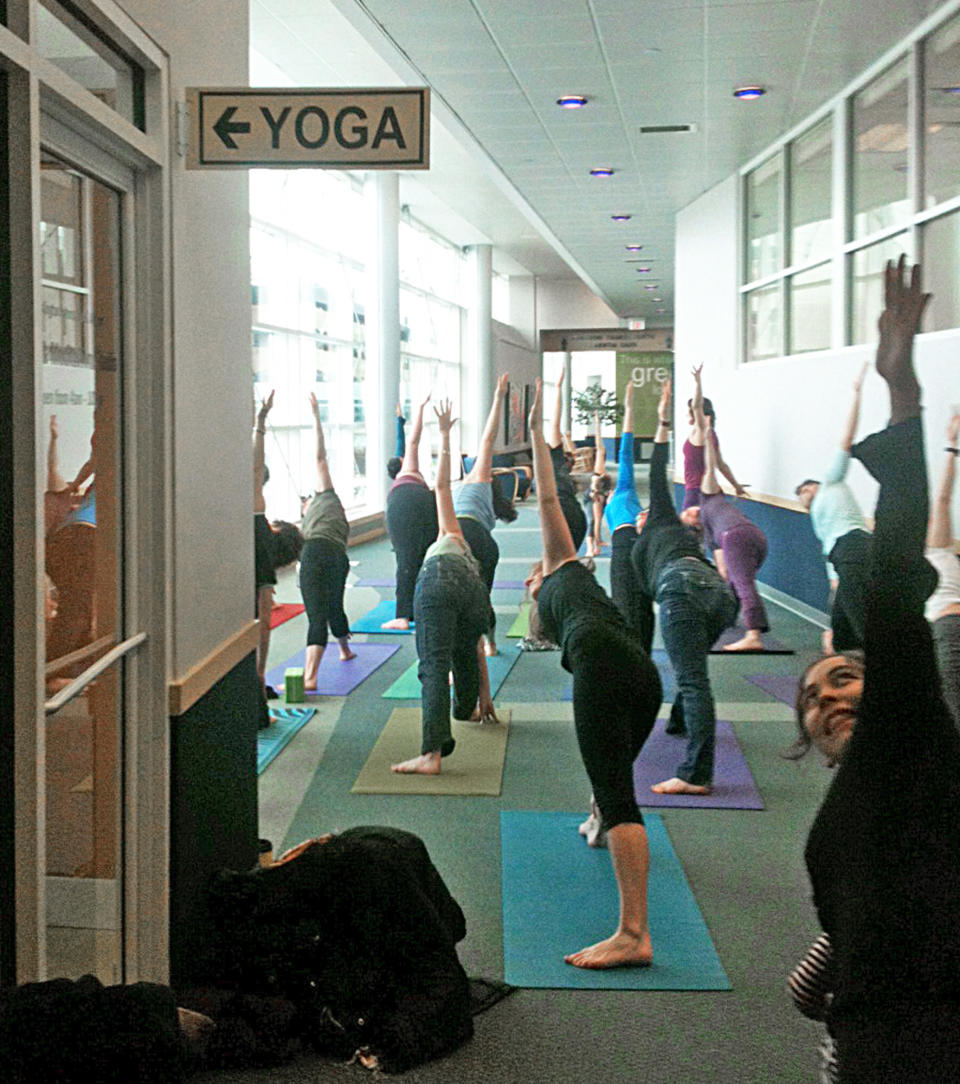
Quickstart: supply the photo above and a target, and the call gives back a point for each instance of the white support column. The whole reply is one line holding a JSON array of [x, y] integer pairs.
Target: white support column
[[481, 335], [383, 343]]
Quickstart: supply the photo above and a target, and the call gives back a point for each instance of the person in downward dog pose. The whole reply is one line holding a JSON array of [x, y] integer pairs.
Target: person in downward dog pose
[[478, 504], [323, 565], [943, 606], [411, 518], [602, 654], [696, 605], [694, 453], [566, 490], [883, 853], [623, 514], [451, 608], [738, 545]]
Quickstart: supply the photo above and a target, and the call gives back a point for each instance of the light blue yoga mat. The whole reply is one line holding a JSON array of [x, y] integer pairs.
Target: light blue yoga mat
[[559, 895], [371, 622], [407, 685], [285, 722]]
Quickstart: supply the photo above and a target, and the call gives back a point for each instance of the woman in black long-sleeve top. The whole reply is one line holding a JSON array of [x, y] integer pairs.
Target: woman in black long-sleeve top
[[616, 695], [884, 851], [696, 605]]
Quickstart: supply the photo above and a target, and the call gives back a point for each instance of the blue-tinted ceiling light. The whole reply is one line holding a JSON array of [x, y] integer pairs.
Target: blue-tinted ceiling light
[[571, 101], [601, 171], [644, 270], [746, 94], [633, 248], [621, 218]]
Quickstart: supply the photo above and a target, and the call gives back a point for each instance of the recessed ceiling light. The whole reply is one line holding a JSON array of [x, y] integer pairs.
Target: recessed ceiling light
[[571, 101], [621, 218], [650, 286], [633, 248], [644, 270], [601, 171], [657, 299], [661, 310], [746, 94]]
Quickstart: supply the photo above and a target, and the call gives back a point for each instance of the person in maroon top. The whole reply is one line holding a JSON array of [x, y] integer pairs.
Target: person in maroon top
[[738, 545], [694, 454]]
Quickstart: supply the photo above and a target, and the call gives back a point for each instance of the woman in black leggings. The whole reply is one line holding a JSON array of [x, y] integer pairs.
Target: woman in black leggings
[[884, 851], [411, 523], [323, 565], [606, 661], [478, 504], [573, 513]]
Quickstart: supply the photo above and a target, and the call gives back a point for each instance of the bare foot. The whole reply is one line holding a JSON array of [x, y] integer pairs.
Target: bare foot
[[397, 623], [425, 764], [346, 654], [620, 950], [309, 688], [679, 786], [752, 641], [490, 649]]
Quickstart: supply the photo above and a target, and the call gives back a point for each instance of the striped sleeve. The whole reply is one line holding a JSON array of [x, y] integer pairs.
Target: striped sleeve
[[811, 981]]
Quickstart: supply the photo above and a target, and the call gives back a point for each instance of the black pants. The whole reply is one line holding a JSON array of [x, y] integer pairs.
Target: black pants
[[616, 696], [850, 556], [624, 584], [323, 575], [412, 525], [484, 548]]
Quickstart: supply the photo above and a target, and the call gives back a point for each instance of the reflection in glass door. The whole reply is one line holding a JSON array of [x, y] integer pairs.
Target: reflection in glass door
[[81, 288]]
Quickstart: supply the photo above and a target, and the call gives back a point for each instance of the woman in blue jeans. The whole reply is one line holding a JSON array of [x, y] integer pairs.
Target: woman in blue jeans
[[451, 608], [696, 605]]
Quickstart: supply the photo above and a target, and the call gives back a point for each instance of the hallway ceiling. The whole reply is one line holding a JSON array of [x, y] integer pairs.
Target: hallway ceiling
[[510, 167]]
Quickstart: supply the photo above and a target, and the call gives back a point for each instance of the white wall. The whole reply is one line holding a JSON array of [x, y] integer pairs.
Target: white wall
[[212, 533], [565, 303], [779, 421]]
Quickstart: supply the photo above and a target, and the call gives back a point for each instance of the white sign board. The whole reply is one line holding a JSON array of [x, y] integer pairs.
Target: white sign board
[[254, 128]]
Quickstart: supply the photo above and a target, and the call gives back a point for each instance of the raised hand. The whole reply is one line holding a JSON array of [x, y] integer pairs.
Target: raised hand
[[503, 382], [445, 418], [696, 371], [266, 406], [563, 372], [858, 382], [899, 322], [399, 411], [535, 418], [427, 400], [628, 395], [663, 407], [314, 407], [953, 429]]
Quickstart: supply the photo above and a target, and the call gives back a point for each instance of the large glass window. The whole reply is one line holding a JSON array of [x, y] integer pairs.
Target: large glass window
[[941, 264], [764, 226], [811, 181], [942, 120], [763, 319], [879, 153], [810, 305]]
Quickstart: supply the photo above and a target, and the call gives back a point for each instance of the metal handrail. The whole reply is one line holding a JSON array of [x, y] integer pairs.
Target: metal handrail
[[81, 681]]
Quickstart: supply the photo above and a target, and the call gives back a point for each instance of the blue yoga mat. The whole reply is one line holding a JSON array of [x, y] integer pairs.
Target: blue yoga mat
[[407, 685], [285, 723], [371, 622], [559, 895]]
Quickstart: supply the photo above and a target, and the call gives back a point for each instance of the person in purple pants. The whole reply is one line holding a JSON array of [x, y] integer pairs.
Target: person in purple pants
[[738, 545]]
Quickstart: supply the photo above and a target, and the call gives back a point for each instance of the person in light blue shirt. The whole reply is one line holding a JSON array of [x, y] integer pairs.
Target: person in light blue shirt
[[842, 530]]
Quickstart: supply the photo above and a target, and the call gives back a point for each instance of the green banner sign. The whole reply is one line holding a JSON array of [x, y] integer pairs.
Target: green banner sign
[[647, 371]]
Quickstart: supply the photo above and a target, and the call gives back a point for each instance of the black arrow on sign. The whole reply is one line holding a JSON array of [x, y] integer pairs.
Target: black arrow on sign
[[224, 128]]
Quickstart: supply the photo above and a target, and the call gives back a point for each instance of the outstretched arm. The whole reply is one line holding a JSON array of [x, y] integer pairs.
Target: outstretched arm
[[401, 436], [557, 543], [709, 484], [556, 432], [259, 459], [599, 448], [55, 481], [411, 455], [940, 528], [446, 516], [661, 499], [853, 418], [483, 465], [324, 481], [698, 433]]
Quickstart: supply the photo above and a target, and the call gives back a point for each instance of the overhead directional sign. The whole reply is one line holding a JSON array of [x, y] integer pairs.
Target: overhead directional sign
[[251, 127]]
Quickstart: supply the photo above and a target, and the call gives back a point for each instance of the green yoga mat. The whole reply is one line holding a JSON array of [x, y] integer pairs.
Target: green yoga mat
[[521, 624], [474, 767], [559, 895], [407, 685]]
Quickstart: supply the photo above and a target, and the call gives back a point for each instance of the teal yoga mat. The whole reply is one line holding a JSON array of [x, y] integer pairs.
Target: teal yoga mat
[[407, 685], [371, 622], [559, 895], [285, 722]]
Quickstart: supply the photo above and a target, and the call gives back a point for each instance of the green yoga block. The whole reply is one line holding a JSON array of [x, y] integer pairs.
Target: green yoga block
[[293, 685]]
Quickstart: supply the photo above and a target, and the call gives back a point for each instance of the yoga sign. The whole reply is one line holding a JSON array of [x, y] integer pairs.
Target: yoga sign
[[245, 128]]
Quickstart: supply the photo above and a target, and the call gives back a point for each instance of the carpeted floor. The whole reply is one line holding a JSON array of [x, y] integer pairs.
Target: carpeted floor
[[745, 868]]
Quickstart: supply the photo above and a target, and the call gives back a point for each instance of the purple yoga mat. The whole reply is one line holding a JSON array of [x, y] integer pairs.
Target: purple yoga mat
[[498, 585], [782, 686], [733, 786], [771, 645], [336, 678]]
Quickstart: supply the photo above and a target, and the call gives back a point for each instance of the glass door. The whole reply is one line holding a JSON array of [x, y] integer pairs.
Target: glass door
[[82, 397]]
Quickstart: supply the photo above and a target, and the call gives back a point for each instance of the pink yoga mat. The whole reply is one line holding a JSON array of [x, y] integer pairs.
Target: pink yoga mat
[[733, 785]]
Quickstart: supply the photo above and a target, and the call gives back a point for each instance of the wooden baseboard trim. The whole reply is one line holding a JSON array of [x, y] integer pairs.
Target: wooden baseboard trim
[[367, 536], [183, 693]]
